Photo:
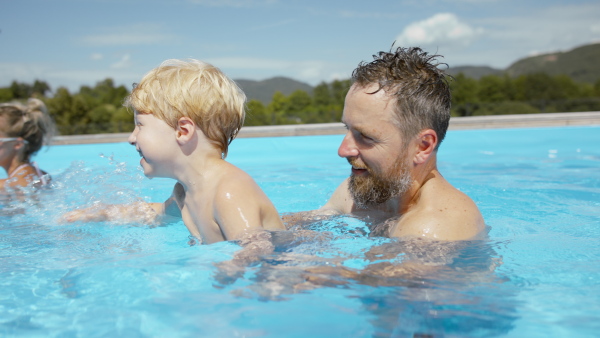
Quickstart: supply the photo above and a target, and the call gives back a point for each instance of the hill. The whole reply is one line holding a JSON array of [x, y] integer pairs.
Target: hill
[[581, 64], [264, 90], [475, 72]]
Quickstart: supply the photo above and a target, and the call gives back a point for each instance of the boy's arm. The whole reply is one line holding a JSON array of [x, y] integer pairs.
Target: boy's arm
[[137, 212], [241, 207]]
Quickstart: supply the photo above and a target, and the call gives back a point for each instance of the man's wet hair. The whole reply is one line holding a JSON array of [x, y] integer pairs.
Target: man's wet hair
[[415, 80]]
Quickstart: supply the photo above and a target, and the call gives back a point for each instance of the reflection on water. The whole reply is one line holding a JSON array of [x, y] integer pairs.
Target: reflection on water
[[328, 277], [396, 287], [406, 287]]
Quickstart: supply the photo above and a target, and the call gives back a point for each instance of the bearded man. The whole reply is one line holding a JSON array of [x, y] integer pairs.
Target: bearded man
[[397, 113]]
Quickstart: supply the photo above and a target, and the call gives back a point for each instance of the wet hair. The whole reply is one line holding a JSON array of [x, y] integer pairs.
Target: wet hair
[[193, 89], [30, 122], [413, 78]]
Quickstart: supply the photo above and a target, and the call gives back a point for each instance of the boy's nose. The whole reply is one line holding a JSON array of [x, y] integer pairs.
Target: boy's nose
[[131, 138]]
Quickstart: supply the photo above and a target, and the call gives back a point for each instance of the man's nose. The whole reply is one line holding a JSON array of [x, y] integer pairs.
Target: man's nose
[[348, 146]]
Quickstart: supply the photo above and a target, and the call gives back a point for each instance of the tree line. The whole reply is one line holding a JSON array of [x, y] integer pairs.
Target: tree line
[[93, 110], [525, 94], [99, 109]]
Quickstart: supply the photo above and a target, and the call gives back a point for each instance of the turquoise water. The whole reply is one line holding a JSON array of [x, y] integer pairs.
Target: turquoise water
[[537, 275]]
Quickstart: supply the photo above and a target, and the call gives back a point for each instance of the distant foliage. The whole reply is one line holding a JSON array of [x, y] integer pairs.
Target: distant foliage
[[325, 105], [525, 94], [90, 111], [99, 109]]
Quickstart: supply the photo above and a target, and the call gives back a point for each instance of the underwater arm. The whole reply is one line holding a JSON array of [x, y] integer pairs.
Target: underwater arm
[[136, 212]]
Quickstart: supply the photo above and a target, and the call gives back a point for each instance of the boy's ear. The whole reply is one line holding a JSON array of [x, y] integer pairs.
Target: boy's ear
[[186, 128], [426, 141]]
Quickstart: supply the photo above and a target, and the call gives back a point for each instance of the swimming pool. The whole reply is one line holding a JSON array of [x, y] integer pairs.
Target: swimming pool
[[538, 275]]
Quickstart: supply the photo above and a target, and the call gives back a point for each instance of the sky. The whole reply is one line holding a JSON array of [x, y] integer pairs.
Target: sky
[[71, 43]]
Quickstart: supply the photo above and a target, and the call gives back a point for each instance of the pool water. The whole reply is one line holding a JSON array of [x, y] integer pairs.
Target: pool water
[[538, 274]]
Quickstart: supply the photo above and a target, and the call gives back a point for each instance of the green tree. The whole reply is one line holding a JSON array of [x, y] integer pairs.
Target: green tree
[[299, 104], [276, 109], [257, 114], [339, 89], [6, 94], [464, 95], [59, 107], [493, 88], [20, 90], [40, 88], [122, 120], [322, 95]]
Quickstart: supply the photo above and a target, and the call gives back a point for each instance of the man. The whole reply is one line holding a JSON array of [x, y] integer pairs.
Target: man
[[397, 113]]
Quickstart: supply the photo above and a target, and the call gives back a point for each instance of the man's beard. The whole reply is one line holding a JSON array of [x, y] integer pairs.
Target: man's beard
[[377, 188]]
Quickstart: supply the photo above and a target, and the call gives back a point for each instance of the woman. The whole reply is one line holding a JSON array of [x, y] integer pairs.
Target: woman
[[23, 131]]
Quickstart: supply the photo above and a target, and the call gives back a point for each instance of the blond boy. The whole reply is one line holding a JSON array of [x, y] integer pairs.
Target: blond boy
[[186, 115]]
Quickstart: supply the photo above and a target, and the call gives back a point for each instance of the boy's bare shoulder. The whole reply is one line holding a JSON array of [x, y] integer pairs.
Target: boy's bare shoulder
[[233, 183]]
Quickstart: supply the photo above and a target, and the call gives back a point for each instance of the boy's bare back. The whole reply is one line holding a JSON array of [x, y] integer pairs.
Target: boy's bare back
[[225, 204]]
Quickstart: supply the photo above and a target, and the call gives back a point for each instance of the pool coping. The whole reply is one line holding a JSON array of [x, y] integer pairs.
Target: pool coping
[[456, 123]]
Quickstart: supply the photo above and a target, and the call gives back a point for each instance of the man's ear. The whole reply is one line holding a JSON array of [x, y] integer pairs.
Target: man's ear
[[186, 128], [426, 142]]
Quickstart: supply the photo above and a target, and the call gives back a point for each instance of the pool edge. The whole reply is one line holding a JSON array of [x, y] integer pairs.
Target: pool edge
[[456, 123]]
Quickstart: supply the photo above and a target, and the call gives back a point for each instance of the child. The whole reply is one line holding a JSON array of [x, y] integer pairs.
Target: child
[[186, 115], [23, 131]]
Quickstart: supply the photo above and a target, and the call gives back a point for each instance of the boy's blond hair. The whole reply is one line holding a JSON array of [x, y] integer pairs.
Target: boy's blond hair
[[193, 89]]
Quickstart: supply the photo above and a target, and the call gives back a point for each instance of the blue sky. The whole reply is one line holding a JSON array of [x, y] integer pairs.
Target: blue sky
[[80, 42]]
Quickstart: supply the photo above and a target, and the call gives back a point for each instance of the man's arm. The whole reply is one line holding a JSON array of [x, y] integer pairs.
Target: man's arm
[[339, 203]]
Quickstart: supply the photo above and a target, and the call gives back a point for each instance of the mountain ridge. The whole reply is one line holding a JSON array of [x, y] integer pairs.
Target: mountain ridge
[[580, 63]]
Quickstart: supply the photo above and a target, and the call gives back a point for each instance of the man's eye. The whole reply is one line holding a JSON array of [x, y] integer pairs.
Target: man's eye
[[366, 137]]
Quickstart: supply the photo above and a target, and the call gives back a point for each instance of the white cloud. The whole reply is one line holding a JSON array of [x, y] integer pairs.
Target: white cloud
[[548, 30], [96, 56], [138, 34], [443, 29], [124, 62]]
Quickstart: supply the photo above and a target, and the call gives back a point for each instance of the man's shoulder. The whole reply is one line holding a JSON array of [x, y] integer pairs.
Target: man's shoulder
[[446, 214]]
